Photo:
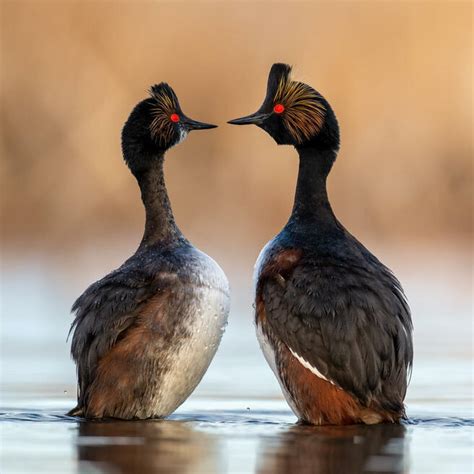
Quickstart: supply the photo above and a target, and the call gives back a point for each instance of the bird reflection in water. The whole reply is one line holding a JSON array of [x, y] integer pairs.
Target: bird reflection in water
[[145, 447], [336, 450]]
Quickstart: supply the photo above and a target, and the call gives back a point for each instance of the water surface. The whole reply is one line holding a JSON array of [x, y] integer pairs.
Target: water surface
[[236, 421]]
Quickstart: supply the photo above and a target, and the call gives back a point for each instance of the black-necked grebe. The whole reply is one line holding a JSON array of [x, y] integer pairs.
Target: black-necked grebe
[[332, 320], [145, 334]]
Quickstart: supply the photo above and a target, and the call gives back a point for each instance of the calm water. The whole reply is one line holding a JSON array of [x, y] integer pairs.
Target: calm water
[[236, 421]]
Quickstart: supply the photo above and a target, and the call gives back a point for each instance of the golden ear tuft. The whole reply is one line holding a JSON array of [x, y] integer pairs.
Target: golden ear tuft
[[165, 104], [304, 113]]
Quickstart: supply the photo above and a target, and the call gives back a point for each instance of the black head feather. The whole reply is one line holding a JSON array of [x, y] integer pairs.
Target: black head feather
[[294, 113], [279, 73], [155, 125]]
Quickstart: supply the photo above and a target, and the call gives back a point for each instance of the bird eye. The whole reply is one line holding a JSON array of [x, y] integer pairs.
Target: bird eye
[[279, 108], [174, 117]]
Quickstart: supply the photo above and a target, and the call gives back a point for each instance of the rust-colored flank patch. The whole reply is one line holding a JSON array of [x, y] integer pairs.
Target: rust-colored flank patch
[[281, 263], [315, 400], [121, 371]]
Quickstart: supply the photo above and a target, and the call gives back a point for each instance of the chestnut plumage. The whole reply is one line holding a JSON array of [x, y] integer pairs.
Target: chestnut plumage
[[332, 320], [144, 335]]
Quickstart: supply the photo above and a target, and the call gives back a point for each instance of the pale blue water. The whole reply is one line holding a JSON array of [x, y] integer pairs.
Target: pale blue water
[[236, 421]]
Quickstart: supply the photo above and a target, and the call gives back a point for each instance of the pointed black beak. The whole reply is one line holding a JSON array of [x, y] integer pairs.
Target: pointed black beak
[[256, 119], [195, 125]]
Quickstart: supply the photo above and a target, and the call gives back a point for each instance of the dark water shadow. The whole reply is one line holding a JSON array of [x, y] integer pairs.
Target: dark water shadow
[[197, 441], [146, 447], [336, 450]]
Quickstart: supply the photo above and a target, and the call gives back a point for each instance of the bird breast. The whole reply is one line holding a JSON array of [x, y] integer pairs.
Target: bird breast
[[208, 305]]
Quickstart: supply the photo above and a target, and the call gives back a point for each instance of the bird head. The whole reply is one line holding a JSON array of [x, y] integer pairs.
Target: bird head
[[293, 113], [155, 125]]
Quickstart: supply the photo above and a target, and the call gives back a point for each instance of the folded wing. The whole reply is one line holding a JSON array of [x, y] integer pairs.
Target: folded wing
[[349, 322]]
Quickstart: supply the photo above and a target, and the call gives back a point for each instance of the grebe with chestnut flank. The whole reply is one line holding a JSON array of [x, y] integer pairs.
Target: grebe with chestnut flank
[[145, 334], [332, 320]]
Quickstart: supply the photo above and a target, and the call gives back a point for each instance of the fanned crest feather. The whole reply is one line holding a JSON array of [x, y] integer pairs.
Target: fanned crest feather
[[304, 113], [165, 104]]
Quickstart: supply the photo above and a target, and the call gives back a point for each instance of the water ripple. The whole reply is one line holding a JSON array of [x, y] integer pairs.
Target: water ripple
[[19, 416], [228, 417], [440, 422]]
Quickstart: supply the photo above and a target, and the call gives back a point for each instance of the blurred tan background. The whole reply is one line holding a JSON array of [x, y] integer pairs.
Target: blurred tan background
[[398, 74]]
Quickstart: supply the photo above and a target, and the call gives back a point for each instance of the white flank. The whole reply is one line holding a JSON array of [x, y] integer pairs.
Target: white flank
[[269, 353]]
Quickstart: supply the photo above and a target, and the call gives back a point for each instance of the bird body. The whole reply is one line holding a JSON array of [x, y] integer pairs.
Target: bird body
[[145, 334], [331, 326], [156, 323], [332, 320]]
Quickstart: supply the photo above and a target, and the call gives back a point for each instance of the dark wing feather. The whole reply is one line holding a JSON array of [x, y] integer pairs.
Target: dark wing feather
[[104, 314], [349, 321]]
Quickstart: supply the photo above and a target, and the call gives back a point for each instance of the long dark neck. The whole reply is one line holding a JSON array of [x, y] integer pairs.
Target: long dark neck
[[160, 226], [311, 198]]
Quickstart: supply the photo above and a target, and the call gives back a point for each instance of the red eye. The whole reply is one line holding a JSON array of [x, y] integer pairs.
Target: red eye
[[174, 117], [279, 108]]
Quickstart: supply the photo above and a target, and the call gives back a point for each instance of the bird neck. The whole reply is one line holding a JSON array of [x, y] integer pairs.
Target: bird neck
[[311, 197], [160, 226]]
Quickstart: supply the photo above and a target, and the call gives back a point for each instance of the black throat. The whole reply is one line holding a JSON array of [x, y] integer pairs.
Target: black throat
[[160, 226], [311, 198]]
